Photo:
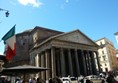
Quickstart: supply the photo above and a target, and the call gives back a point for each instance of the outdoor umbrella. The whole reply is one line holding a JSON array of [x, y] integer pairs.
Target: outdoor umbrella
[[24, 69]]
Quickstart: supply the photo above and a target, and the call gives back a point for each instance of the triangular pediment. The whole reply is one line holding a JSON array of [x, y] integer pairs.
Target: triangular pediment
[[77, 37]]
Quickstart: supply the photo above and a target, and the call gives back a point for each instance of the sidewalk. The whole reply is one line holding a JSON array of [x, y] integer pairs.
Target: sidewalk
[[96, 81]]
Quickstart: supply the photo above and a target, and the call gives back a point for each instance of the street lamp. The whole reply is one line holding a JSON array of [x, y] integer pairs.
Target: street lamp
[[116, 34], [6, 13]]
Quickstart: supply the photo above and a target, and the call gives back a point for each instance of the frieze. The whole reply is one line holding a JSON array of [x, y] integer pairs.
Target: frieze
[[40, 48], [65, 44], [62, 44]]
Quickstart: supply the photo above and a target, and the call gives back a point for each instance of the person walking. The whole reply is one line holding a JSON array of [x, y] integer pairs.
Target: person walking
[[110, 78], [88, 81], [39, 80], [103, 80]]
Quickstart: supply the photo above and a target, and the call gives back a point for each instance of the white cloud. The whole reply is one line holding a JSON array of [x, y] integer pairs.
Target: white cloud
[[64, 4], [33, 3], [67, 1], [1, 53]]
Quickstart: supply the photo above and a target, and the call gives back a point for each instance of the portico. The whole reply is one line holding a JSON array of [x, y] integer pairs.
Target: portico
[[66, 55], [65, 58]]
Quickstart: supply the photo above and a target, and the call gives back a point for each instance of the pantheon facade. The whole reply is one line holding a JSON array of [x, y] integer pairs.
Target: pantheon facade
[[65, 54]]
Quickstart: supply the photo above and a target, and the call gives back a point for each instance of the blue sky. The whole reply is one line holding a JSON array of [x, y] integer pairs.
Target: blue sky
[[95, 18]]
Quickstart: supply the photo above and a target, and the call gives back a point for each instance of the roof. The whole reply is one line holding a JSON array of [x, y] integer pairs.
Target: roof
[[45, 29], [101, 39], [106, 39], [22, 70], [24, 32], [55, 36]]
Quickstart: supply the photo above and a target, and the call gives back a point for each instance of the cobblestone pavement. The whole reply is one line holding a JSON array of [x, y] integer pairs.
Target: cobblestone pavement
[[96, 81]]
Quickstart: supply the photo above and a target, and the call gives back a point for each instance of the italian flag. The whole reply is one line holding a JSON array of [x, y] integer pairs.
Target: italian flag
[[10, 43]]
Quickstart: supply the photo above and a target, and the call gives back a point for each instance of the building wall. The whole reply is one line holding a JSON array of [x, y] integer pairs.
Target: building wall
[[40, 34], [22, 50], [104, 61], [62, 57], [25, 41], [112, 53], [117, 53], [107, 54], [65, 55]]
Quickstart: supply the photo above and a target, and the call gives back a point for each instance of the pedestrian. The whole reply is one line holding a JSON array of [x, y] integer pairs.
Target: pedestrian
[[39, 80], [88, 81], [50, 80], [103, 80], [110, 78], [82, 80], [33, 80]]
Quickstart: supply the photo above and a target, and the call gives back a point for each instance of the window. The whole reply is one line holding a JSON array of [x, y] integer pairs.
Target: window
[[104, 58], [101, 69], [35, 38], [106, 69], [22, 42], [105, 64], [100, 43], [102, 52]]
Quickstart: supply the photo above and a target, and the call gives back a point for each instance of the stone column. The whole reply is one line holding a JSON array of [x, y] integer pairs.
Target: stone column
[[36, 60], [94, 71], [89, 62], [98, 62], [47, 63], [62, 58], [70, 63], [37, 63], [84, 63], [58, 67], [53, 62], [77, 63], [50, 64], [42, 65]]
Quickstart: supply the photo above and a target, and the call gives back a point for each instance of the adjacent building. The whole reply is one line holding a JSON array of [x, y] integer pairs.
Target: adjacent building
[[117, 53], [107, 55], [64, 53]]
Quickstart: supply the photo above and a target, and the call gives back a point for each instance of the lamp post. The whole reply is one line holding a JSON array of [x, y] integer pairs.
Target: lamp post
[[6, 13], [116, 34]]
